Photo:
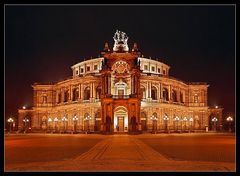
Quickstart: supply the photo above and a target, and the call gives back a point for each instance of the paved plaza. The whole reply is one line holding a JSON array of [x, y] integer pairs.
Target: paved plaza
[[146, 152]]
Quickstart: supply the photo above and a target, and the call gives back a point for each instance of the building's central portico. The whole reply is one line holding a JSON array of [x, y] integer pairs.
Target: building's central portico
[[120, 88]]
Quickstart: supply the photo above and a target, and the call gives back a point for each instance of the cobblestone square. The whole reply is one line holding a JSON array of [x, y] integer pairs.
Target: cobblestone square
[[146, 152]]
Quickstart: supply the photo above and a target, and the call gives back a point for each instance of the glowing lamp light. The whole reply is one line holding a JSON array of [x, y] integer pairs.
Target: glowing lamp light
[[56, 119], [154, 118], [214, 119], [25, 120], [24, 107], [229, 119], [191, 119], [49, 119], [64, 119], [165, 118], [216, 107], [88, 117], [185, 118], [176, 118], [10, 120], [75, 118]]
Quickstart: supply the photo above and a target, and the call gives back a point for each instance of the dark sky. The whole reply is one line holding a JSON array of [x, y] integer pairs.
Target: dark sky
[[43, 42]]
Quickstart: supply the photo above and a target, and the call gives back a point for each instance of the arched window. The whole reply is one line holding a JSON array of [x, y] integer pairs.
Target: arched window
[[181, 97], [87, 93], [98, 92], [174, 95], [144, 121], [66, 96], [44, 99], [75, 94], [97, 125], [195, 98], [59, 97], [154, 93], [143, 92], [165, 94]]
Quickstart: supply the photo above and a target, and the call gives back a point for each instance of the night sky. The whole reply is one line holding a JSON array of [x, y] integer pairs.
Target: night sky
[[43, 42]]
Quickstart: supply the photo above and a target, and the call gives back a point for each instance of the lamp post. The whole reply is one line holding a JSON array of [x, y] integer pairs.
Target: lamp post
[[154, 121], [214, 120], [49, 122], [165, 118], [229, 120], [10, 121], [191, 124], [25, 120], [75, 119], [176, 119], [185, 123], [64, 119], [55, 123]]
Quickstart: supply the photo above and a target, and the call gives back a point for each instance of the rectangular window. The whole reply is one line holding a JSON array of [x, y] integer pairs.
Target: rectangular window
[[76, 72], [88, 68], [158, 70], [153, 68], [164, 72], [95, 67], [81, 70], [145, 67]]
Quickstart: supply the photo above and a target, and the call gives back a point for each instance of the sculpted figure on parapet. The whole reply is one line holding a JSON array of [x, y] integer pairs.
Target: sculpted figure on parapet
[[120, 41]]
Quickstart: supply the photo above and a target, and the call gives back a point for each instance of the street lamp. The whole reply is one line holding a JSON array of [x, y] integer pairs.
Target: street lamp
[[25, 120], [75, 119], [176, 119], [10, 121], [49, 122], [56, 120], [191, 124], [214, 120], [64, 119], [185, 123], [229, 120], [154, 121], [165, 118]]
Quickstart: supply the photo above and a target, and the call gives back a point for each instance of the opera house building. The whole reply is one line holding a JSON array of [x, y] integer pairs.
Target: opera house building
[[120, 92]]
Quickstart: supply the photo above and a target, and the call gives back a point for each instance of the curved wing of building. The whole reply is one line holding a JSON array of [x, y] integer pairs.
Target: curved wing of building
[[120, 92]]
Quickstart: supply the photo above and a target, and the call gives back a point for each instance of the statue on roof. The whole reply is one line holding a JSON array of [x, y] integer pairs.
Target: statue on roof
[[120, 41]]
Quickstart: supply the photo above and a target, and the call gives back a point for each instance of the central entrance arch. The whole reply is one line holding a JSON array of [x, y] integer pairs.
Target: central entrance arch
[[120, 119]]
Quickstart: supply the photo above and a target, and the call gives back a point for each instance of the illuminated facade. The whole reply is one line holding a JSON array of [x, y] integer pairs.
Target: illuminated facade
[[120, 92]]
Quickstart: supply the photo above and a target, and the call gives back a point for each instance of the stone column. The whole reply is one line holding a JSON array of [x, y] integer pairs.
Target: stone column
[[169, 93], [160, 89], [91, 90], [109, 84], [79, 91], [62, 94], [82, 91], [94, 90], [147, 92], [70, 92], [150, 90], [57, 96]]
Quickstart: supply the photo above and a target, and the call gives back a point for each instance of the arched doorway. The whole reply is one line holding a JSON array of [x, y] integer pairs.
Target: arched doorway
[[97, 121], [120, 119], [86, 122], [144, 121], [154, 119]]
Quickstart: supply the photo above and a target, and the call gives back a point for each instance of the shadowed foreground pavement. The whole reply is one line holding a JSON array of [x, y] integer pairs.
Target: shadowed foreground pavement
[[114, 153]]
